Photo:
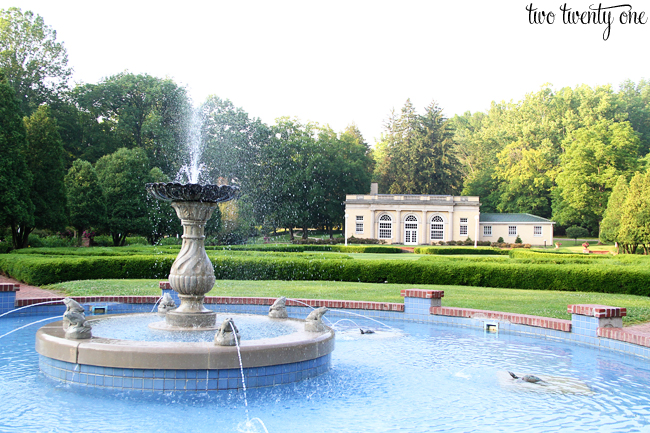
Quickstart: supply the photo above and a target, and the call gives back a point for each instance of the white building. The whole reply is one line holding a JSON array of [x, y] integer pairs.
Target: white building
[[413, 219]]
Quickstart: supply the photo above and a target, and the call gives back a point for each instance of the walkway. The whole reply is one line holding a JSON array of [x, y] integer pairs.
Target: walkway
[[29, 292]]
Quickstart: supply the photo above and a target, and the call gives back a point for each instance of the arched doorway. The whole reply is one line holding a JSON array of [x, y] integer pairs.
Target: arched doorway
[[411, 230]]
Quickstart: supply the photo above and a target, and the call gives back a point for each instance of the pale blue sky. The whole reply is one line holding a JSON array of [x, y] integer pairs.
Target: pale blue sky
[[336, 62]]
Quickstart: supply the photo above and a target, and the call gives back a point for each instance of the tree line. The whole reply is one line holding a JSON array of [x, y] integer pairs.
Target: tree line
[[79, 156]]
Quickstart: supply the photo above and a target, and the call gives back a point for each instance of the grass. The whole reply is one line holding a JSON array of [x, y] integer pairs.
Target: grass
[[545, 303]]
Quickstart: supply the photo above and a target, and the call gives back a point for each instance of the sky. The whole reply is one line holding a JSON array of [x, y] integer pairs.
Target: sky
[[341, 62]]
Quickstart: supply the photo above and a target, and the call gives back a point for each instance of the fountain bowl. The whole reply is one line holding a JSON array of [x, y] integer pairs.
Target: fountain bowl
[[171, 191], [179, 366]]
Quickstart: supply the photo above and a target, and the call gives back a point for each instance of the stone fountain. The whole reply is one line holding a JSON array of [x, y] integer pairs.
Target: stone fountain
[[192, 274], [69, 351]]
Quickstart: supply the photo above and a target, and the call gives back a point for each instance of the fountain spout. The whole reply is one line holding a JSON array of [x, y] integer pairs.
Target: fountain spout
[[228, 334], [314, 322], [279, 309]]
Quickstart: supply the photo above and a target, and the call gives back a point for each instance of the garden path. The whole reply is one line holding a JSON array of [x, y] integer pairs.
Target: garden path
[[28, 292]]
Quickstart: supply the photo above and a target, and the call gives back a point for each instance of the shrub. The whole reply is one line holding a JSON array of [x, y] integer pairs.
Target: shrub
[[353, 240], [457, 250], [518, 240], [312, 241], [500, 240], [171, 240], [5, 247], [39, 269]]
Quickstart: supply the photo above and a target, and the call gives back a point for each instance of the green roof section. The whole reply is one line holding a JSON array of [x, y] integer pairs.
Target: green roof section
[[511, 218]]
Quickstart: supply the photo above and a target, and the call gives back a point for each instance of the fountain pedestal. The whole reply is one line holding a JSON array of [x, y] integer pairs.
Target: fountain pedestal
[[192, 274]]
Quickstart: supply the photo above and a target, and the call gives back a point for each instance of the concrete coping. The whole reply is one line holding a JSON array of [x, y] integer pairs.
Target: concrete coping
[[595, 310], [296, 347]]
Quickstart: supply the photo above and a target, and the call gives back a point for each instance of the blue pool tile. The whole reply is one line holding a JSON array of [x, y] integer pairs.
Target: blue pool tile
[[222, 383]]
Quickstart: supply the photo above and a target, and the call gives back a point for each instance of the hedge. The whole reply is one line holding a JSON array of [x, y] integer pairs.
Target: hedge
[[302, 248], [41, 270], [459, 250], [527, 254]]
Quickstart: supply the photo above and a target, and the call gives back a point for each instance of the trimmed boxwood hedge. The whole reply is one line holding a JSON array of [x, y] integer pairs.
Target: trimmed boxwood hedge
[[302, 248], [40, 270], [528, 254], [459, 250], [628, 279]]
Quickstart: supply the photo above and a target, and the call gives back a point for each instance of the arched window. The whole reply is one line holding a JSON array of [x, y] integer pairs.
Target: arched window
[[437, 228], [411, 229], [385, 227]]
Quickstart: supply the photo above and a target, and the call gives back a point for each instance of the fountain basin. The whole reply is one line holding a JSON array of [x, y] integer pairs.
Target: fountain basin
[[197, 366]]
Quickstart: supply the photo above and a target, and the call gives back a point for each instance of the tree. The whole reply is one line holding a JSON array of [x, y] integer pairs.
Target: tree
[[417, 156], [575, 232], [86, 201], [341, 164], [123, 176], [305, 171], [528, 189], [139, 111], [635, 101], [634, 229], [610, 225], [36, 64], [595, 157], [162, 217], [15, 179], [232, 141], [44, 157]]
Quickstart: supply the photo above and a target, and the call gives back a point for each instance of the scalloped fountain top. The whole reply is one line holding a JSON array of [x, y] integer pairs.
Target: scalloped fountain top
[[192, 192]]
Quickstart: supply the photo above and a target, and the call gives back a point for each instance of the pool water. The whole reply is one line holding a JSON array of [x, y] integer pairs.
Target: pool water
[[415, 378]]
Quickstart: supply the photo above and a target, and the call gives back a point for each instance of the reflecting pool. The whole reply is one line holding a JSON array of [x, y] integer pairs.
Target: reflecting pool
[[414, 378]]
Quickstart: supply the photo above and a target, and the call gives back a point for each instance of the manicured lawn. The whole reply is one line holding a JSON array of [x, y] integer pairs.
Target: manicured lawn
[[536, 302]]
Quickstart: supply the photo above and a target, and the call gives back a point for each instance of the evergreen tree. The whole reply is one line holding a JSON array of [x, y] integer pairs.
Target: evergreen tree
[[634, 228], [418, 156], [15, 179], [611, 223]]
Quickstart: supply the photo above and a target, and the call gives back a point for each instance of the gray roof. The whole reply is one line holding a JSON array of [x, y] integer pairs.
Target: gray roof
[[511, 218]]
